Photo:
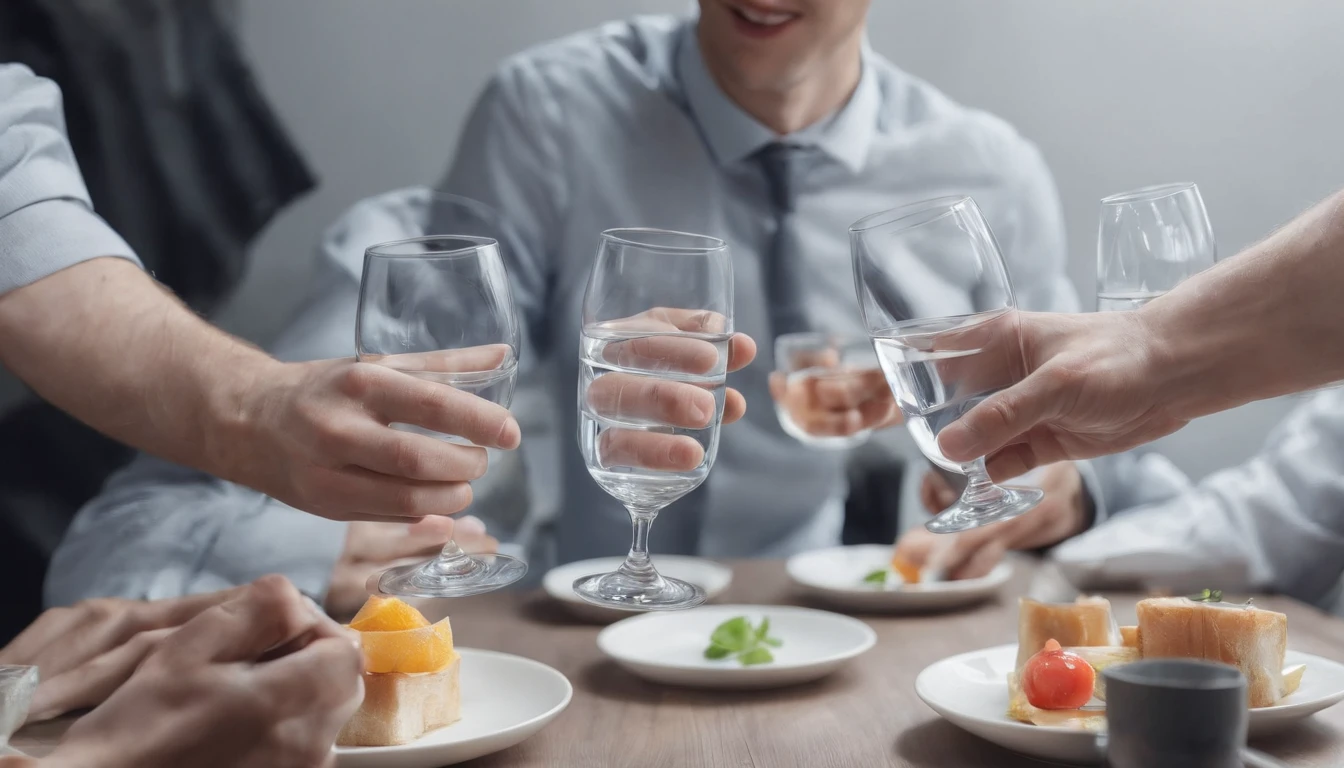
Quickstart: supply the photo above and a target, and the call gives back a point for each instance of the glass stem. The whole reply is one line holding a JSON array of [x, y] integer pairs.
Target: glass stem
[[980, 490], [452, 561], [637, 564]]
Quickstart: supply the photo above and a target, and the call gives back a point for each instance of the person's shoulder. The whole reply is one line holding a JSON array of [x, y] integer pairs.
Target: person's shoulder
[[18, 82], [918, 110], [629, 55]]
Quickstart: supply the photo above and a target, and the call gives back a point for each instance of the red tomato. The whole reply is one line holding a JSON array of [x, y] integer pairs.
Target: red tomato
[[1057, 679]]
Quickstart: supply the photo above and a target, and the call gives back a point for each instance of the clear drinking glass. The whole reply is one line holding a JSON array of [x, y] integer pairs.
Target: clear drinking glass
[[439, 308], [657, 320], [1149, 240], [936, 298], [807, 361]]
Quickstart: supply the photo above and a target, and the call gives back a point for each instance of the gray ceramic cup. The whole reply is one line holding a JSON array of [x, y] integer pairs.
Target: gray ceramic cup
[[1175, 713]]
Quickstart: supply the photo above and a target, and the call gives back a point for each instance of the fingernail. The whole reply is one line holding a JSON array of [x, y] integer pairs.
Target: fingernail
[[958, 443], [468, 525]]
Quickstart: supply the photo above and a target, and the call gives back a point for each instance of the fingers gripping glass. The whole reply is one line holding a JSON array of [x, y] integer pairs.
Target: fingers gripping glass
[[657, 320], [938, 304], [439, 308]]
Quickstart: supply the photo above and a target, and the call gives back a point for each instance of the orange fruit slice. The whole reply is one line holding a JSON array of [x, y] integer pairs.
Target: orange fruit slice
[[907, 570], [423, 649], [387, 614]]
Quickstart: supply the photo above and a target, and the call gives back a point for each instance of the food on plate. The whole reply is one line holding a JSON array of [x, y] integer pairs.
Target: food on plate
[[411, 676], [1086, 621], [1129, 637], [736, 638], [1064, 648], [901, 571], [1251, 639], [1057, 679]]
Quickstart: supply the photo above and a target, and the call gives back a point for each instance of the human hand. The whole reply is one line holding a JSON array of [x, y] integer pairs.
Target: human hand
[[87, 651], [262, 679], [1092, 388], [836, 404], [648, 397], [372, 548], [974, 553], [316, 436]]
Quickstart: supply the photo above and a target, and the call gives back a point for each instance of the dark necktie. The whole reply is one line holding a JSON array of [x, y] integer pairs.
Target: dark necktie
[[781, 266]]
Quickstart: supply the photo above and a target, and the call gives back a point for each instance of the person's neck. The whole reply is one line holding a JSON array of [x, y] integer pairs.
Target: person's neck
[[803, 103]]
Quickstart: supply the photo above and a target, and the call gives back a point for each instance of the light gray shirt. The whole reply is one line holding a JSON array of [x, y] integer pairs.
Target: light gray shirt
[[1275, 522], [47, 222], [618, 126]]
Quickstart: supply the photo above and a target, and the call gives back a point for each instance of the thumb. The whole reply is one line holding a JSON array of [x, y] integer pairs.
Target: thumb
[[999, 420]]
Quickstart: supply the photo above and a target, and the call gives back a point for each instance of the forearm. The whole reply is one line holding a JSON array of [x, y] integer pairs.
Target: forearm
[[104, 342], [1264, 323]]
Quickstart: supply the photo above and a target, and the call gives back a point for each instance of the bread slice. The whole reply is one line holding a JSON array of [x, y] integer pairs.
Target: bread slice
[[1086, 621], [400, 708], [1250, 639]]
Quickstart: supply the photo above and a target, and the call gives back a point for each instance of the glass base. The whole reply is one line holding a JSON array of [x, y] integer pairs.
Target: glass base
[[1003, 503], [452, 577], [624, 591]]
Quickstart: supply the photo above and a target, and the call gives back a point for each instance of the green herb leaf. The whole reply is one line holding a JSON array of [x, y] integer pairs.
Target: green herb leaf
[[763, 630], [734, 634], [756, 655], [878, 577], [773, 642], [1208, 596], [717, 652]]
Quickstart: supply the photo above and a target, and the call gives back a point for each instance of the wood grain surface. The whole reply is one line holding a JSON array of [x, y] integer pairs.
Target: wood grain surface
[[865, 716]]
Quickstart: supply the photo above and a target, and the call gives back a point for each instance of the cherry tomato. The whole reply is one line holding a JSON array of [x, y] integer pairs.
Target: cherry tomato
[[1057, 679]]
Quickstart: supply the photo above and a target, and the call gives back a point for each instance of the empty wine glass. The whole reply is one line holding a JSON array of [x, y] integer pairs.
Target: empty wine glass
[[1149, 240], [657, 321], [439, 308], [806, 363], [936, 298]]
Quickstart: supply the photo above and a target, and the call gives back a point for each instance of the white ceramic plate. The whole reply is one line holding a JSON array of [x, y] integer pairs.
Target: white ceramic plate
[[971, 691], [559, 581], [835, 575], [670, 647], [505, 699]]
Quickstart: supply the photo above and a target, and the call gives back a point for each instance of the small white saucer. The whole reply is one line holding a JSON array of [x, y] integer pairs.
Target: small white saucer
[[713, 577], [835, 575], [670, 647]]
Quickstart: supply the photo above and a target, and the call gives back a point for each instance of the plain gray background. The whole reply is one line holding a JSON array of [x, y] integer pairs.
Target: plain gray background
[[1241, 96]]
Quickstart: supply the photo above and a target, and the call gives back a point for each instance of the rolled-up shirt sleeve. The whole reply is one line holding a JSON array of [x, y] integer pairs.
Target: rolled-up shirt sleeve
[[47, 221]]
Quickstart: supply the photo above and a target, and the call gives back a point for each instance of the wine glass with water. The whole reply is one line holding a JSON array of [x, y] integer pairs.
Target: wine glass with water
[[938, 303], [805, 363], [657, 322], [439, 308], [1148, 241]]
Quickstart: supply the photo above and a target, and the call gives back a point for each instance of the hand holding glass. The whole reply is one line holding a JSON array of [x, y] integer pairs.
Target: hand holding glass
[[439, 308], [654, 358], [828, 390], [936, 298]]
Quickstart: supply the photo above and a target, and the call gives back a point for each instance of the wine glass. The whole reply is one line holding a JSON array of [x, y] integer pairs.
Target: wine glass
[[657, 320], [938, 304], [439, 308], [807, 361], [1149, 240]]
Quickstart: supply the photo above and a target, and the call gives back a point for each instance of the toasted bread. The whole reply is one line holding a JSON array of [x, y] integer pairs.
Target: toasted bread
[[1248, 638], [1087, 621], [400, 708]]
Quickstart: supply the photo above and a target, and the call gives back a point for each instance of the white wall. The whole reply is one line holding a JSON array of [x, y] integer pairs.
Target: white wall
[[1241, 96]]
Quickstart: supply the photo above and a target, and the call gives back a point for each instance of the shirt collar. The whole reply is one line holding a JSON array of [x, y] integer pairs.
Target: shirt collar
[[733, 135]]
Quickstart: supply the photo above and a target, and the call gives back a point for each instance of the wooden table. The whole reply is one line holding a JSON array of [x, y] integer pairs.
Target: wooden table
[[865, 716]]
